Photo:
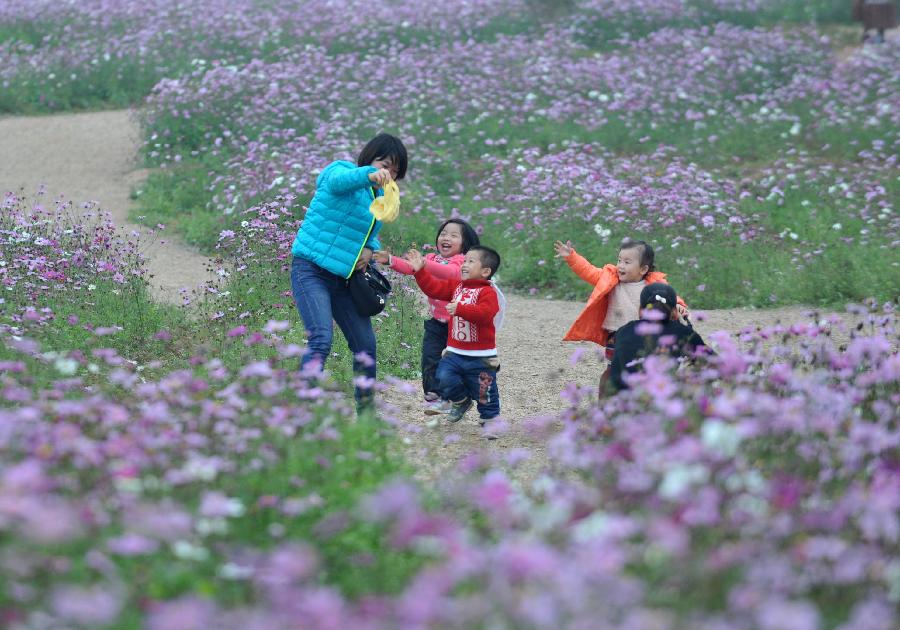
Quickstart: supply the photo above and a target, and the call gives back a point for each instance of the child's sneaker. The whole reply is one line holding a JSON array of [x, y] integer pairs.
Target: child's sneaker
[[458, 410], [487, 427], [438, 407]]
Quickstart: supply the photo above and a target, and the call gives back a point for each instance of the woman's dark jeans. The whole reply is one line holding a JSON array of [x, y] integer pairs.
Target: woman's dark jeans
[[321, 297]]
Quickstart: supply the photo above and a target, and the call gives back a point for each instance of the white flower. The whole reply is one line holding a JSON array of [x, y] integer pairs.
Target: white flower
[[795, 129], [719, 437], [681, 477], [66, 366], [892, 578], [232, 571], [836, 226], [594, 526], [186, 551]]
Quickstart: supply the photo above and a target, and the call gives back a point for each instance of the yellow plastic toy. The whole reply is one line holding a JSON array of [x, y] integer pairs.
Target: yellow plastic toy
[[387, 207]]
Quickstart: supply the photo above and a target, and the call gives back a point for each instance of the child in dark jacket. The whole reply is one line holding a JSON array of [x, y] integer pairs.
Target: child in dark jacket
[[468, 370], [654, 333]]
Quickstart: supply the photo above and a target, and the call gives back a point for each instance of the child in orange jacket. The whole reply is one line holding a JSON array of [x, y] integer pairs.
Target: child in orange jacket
[[615, 300]]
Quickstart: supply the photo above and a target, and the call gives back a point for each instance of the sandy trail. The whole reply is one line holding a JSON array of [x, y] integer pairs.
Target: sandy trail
[[94, 157]]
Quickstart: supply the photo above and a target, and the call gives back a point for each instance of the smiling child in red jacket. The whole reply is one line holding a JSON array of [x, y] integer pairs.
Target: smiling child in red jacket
[[468, 370]]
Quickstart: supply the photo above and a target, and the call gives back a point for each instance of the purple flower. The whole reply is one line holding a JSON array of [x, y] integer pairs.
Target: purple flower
[[131, 544], [96, 606]]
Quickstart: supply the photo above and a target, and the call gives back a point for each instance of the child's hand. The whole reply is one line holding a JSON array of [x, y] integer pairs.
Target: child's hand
[[415, 259], [563, 250], [382, 257], [451, 307]]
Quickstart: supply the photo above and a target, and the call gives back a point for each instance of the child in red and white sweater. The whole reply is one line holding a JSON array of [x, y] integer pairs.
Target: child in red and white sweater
[[454, 239], [467, 372]]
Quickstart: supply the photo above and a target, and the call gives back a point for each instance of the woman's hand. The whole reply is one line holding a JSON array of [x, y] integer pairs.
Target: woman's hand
[[415, 259], [682, 311], [381, 177], [383, 257], [563, 250], [364, 257]]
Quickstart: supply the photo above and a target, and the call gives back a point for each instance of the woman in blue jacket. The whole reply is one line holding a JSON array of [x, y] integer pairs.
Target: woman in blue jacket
[[337, 236]]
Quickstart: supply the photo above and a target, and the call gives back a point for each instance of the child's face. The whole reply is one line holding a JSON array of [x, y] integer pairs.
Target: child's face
[[387, 163], [450, 240], [629, 266], [472, 267]]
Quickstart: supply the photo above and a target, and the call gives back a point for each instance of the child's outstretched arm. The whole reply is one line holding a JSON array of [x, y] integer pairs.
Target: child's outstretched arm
[[436, 269], [398, 264], [450, 270], [437, 288], [579, 264]]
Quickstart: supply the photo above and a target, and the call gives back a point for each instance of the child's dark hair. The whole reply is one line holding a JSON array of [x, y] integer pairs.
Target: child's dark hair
[[648, 258], [658, 296], [469, 235], [384, 146], [489, 258]]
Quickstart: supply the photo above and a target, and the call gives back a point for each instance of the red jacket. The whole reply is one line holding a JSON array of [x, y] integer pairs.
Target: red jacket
[[589, 325], [471, 330]]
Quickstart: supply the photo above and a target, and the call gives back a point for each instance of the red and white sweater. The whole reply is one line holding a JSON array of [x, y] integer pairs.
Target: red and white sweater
[[471, 330], [437, 266]]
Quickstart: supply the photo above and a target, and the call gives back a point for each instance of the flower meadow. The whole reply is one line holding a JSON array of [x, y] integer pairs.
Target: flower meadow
[[172, 468], [540, 136], [756, 490]]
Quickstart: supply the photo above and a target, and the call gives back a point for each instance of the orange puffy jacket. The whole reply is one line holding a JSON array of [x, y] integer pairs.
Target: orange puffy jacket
[[589, 324]]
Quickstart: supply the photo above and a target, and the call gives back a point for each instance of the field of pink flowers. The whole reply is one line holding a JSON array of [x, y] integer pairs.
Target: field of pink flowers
[[537, 136], [174, 470], [760, 490]]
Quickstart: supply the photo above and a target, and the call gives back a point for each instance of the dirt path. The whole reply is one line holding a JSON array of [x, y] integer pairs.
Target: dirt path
[[93, 157], [891, 36], [536, 365]]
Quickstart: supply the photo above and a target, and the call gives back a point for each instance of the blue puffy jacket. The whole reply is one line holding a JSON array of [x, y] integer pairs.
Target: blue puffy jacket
[[338, 223]]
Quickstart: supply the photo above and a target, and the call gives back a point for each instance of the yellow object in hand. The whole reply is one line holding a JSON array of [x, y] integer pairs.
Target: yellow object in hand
[[387, 207]]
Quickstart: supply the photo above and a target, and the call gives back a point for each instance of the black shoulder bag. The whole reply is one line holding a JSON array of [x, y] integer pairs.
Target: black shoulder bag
[[369, 290], [368, 287]]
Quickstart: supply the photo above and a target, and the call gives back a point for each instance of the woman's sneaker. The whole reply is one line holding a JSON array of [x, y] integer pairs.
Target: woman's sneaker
[[458, 410], [438, 407]]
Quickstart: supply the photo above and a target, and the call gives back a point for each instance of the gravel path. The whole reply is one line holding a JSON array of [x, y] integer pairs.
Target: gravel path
[[93, 157]]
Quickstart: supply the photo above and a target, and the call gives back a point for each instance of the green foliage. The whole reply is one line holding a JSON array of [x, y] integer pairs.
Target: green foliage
[[178, 199]]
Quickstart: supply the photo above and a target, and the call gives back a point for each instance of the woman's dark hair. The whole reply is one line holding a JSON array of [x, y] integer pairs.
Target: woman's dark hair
[[469, 235], [381, 147], [648, 258], [489, 258]]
